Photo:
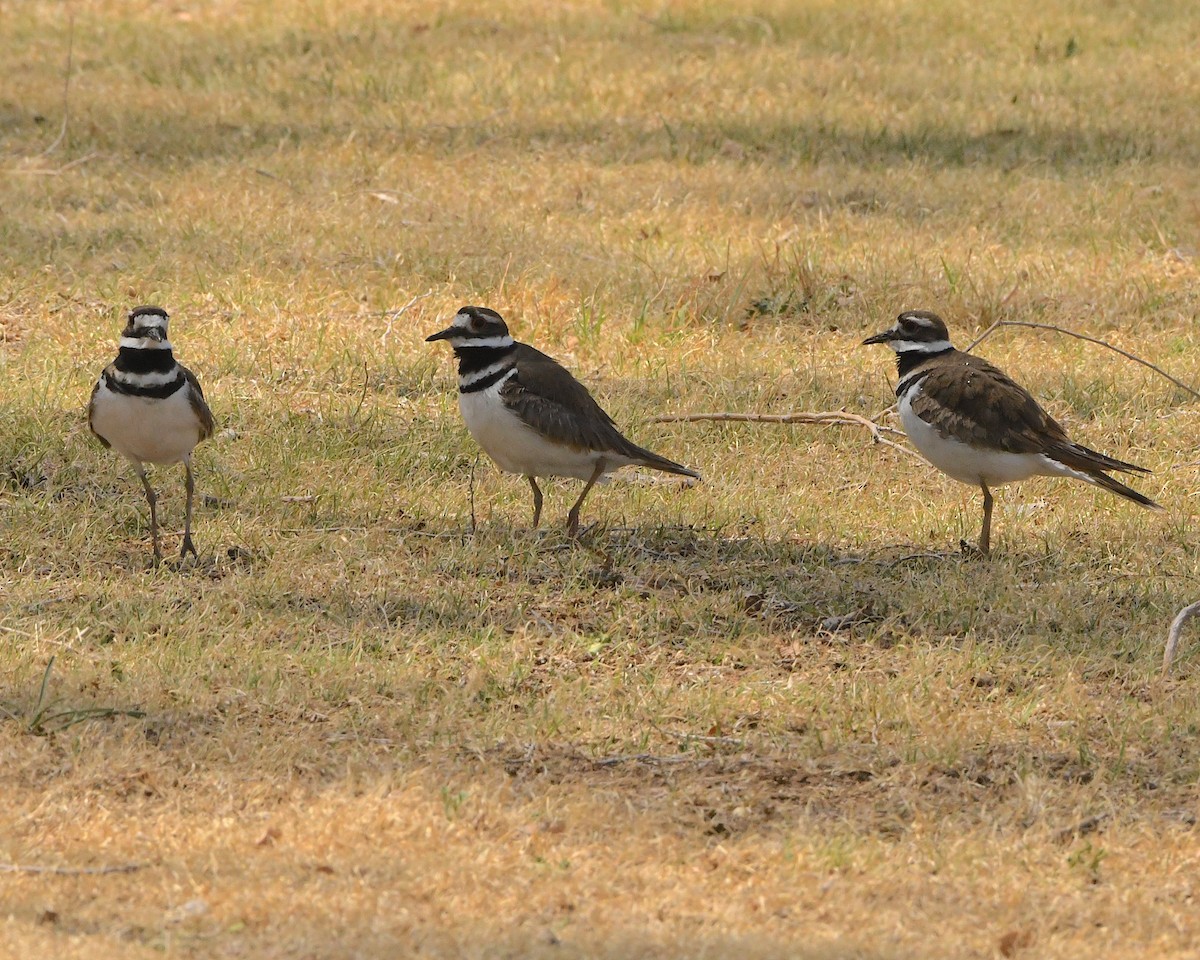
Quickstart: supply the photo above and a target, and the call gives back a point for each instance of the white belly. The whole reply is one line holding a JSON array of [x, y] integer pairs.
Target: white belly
[[147, 429], [971, 465], [518, 448]]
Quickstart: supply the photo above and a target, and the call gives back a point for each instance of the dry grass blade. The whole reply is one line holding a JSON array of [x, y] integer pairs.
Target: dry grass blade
[[835, 418], [1080, 336], [1175, 632], [41, 720]]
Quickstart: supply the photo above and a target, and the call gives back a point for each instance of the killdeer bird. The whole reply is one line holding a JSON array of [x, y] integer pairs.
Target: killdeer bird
[[150, 409], [531, 416], [973, 423]]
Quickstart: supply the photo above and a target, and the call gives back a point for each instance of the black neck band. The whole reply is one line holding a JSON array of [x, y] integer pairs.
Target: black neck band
[[471, 359], [484, 382], [909, 360], [144, 360], [157, 391]]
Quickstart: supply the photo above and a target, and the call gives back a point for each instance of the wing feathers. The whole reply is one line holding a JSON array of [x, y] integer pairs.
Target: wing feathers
[[199, 406], [965, 398], [545, 396]]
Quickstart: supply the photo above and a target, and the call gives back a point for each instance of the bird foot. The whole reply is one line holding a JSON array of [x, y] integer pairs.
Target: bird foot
[[972, 551]]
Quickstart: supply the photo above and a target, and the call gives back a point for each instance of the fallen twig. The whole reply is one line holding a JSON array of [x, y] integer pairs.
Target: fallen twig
[[362, 396], [1173, 634], [59, 171], [653, 760], [1079, 336], [940, 555], [407, 530], [684, 737], [837, 418], [760, 23], [394, 315], [71, 871], [270, 176], [1083, 827], [62, 132]]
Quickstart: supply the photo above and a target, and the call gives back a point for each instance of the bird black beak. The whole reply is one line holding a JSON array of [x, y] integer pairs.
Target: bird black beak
[[155, 334], [441, 335], [880, 338]]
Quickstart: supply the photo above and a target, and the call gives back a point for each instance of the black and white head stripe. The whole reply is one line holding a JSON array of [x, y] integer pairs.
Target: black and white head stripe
[[475, 328], [915, 331], [920, 331], [146, 329]]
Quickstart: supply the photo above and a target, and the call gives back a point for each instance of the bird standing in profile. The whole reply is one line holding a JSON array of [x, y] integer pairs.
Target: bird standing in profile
[[531, 416], [149, 408], [975, 424]]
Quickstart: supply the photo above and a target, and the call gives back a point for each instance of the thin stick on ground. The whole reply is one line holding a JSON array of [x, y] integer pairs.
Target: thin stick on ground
[[62, 132], [70, 871], [1175, 632], [363, 395], [1079, 336], [836, 418], [394, 315], [59, 171]]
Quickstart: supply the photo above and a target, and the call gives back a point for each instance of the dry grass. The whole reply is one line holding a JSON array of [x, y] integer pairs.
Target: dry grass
[[751, 718]]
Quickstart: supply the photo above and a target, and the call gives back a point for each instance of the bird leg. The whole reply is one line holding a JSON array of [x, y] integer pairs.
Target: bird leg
[[188, 546], [573, 516], [985, 535], [537, 502], [152, 499]]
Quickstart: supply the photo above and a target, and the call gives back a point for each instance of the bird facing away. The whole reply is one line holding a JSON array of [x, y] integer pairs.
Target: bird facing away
[[975, 424], [150, 408], [531, 416]]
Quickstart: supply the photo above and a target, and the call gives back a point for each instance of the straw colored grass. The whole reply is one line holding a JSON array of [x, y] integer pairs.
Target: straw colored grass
[[772, 714]]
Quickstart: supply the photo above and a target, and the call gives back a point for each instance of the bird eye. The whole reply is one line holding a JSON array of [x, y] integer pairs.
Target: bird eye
[[476, 321]]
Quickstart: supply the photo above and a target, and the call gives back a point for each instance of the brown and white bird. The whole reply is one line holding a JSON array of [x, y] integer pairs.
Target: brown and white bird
[[975, 424], [149, 408], [531, 416]]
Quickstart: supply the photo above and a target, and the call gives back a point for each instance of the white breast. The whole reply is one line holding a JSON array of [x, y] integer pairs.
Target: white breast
[[973, 465], [517, 447], [147, 429]]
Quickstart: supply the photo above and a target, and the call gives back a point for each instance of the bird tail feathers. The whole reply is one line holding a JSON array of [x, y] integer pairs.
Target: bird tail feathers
[[649, 459], [1115, 486], [1078, 457]]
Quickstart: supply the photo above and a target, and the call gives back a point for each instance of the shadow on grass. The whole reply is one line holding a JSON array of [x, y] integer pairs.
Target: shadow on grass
[[455, 936], [518, 631], [182, 139]]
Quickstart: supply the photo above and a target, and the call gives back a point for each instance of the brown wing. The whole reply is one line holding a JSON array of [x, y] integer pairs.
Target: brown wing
[[199, 406], [968, 399], [545, 396], [91, 410]]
